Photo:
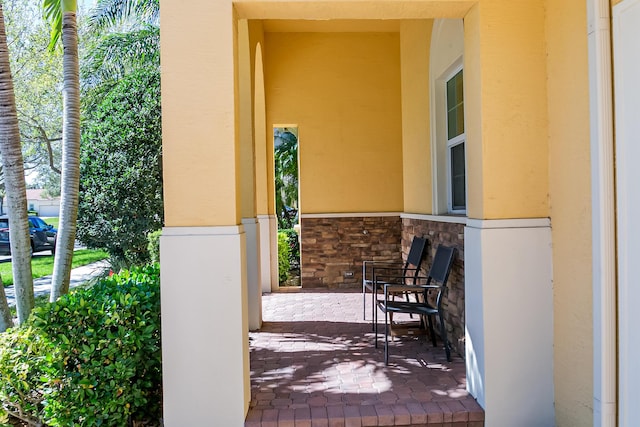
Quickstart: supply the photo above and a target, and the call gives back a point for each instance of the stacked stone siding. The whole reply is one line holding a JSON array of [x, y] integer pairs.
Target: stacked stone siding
[[332, 249], [449, 234]]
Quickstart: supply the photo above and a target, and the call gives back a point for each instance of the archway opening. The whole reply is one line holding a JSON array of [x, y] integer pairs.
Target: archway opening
[[287, 203]]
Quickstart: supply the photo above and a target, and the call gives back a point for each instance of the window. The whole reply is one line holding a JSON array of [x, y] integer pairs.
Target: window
[[456, 171]]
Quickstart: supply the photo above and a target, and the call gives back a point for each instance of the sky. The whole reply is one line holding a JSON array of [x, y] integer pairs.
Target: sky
[[86, 3]]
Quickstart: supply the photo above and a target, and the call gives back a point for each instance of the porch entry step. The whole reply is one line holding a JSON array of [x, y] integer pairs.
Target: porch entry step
[[449, 413]]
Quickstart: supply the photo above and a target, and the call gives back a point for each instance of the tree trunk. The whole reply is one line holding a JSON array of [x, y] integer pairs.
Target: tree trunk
[[5, 313], [70, 158], [13, 169]]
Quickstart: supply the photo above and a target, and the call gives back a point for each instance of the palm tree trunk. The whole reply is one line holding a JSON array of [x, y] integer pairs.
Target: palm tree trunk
[[6, 321], [13, 169], [70, 158]]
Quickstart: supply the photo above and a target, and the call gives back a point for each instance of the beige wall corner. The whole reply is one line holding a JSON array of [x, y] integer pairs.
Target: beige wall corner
[[263, 169], [199, 128], [415, 39], [505, 50], [570, 194], [473, 113], [245, 118]]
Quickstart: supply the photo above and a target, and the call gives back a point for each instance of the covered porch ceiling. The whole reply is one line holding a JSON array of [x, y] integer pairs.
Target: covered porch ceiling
[[351, 9]]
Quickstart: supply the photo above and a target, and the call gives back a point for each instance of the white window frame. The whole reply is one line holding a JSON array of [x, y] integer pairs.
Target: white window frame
[[453, 142]]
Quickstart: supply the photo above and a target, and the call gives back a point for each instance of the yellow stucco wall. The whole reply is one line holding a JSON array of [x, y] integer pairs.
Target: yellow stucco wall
[[199, 129], [246, 122], [263, 174], [343, 92], [473, 113], [507, 105], [569, 183], [415, 38]]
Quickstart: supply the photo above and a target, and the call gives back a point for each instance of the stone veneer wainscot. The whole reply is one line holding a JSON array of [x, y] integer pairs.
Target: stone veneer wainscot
[[449, 233], [334, 246]]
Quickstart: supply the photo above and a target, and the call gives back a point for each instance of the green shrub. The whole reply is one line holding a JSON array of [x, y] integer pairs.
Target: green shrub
[[28, 362], [120, 192], [154, 245], [92, 358], [294, 247], [283, 256]]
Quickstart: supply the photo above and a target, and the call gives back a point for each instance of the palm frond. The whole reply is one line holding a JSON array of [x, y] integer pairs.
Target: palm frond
[[52, 10], [118, 54], [112, 13]]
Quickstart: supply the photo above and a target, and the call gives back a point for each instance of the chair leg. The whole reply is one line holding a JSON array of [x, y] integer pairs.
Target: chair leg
[[386, 339], [432, 331], [364, 302], [443, 334], [375, 332], [373, 305], [406, 296]]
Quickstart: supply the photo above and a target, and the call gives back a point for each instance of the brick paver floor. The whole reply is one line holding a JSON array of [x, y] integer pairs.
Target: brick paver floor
[[314, 363]]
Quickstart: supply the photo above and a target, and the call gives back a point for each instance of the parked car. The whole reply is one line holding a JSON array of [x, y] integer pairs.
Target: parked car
[[43, 235]]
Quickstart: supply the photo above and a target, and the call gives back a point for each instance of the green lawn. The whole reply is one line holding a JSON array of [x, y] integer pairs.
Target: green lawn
[[52, 220], [42, 265]]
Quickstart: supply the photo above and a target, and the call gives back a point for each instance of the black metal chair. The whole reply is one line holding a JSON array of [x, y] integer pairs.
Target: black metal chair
[[435, 283], [372, 271]]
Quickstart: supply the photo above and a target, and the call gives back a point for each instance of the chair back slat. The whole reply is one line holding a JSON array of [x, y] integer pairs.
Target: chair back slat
[[414, 259], [416, 252], [441, 265]]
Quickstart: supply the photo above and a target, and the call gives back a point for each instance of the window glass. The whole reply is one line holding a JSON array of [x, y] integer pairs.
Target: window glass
[[458, 191], [455, 106], [455, 142]]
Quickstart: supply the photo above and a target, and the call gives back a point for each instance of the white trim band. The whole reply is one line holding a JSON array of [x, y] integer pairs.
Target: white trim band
[[509, 223], [351, 215], [436, 218], [223, 230]]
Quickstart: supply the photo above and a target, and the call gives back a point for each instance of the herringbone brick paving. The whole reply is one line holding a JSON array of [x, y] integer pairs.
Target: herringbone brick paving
[[313, 363]]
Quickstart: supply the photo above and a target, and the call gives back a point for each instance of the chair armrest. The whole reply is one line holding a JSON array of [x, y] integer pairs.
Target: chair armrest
[[390, 287], [388, 272], [382, 279], [372, 266]]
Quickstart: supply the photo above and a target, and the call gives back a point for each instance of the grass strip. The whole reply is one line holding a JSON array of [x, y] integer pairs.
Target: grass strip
[[42, 265]]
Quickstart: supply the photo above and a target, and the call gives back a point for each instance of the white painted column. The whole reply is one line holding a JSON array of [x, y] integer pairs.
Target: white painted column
[[626, 33], [603, 216], [509, 320], [205, 352], [273, 239], [264, 226], [251, 229]]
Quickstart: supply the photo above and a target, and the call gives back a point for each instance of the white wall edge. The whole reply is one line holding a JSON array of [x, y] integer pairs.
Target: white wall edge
[[510, 267], [603, 214], [509, 223], [223, 230], [350, 215], [264, 226], [249, 221], [435, 218]]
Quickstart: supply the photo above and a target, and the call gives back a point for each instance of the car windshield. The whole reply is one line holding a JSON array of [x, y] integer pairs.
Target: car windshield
[[37, 222], [4, 223]]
